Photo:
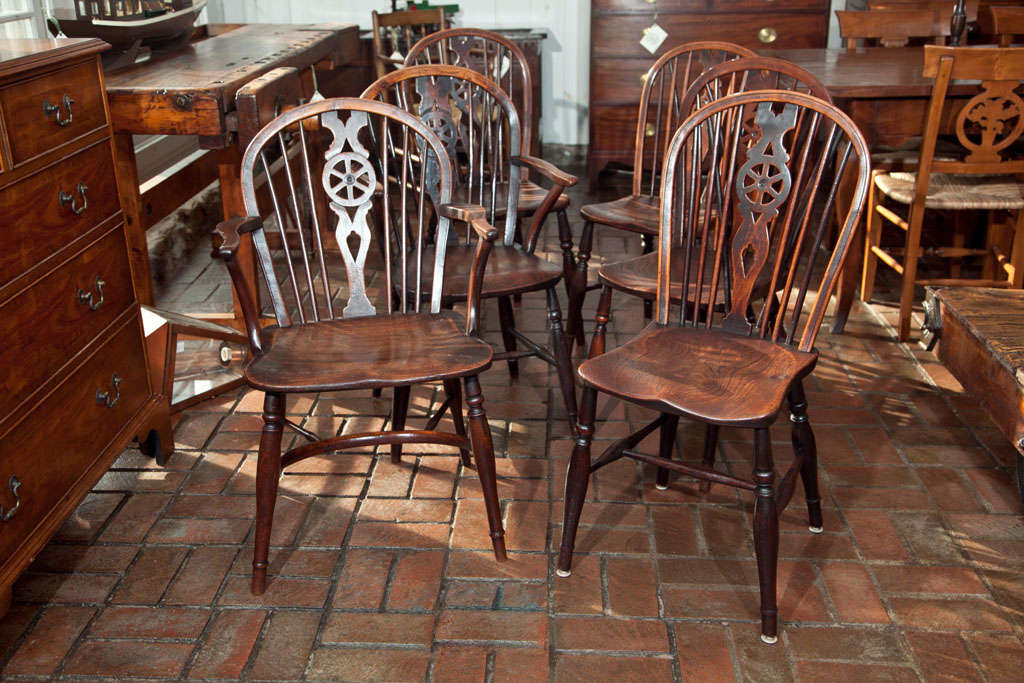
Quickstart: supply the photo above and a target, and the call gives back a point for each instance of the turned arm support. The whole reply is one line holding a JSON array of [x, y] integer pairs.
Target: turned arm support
[[227, 238], [475, 217], [559, 181]]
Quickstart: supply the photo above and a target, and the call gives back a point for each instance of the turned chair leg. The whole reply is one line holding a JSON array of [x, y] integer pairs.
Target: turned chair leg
[[399, 411], [453, 389], [577, 479], [667, 441], [647, 246], [601, 318], [268, 472], [766, 533], [574, 321], [710, 450], [873, 238], [508, 321], [804, 445], [566, 372], [578, 285], [483, 453]]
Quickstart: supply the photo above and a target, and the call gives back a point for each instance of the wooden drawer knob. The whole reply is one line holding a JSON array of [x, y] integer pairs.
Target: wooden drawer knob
[[14, 484], [767, 35]]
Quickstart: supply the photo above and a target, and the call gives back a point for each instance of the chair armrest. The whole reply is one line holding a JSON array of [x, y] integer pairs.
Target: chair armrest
[[546, 169], [475, 216], [227, 239]]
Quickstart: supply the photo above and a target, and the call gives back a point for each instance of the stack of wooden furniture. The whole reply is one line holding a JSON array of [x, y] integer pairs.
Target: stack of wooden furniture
[[75, 376], [618, 61]]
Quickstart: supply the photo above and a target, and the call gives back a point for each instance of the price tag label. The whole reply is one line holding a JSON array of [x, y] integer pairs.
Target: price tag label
[[654, 36]]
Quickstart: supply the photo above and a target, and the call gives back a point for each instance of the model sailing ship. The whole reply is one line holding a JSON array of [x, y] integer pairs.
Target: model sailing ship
[[126, 24]]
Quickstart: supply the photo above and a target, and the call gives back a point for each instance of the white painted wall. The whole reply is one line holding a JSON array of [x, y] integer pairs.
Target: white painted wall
[[565, 58]]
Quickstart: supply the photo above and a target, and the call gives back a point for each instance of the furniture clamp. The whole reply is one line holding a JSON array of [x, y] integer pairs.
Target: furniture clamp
[[68, 199], [104, 397], [55, 110], [13, 485], [87, 297]]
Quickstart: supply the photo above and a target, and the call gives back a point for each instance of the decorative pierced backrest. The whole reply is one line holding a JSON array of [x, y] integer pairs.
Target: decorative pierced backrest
[[749, 214], [478, 125], [665, 84], [895, 27], [394, 33], [987, 125], [380, 173], [1003, 21], [488, 53]]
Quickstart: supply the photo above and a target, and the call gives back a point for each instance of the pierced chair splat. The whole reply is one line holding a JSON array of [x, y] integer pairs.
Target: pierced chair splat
[[384, 178], [480, 127], [772, 161]]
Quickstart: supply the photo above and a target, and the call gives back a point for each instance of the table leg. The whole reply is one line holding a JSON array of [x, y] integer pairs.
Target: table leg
[[127, 174], [229, 163]]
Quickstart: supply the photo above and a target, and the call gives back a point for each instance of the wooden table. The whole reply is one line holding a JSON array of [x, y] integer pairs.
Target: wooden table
[[884, 92], [191, 91], [980, 334]]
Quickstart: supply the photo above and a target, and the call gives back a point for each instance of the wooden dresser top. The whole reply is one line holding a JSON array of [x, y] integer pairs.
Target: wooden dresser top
[[23, 54]]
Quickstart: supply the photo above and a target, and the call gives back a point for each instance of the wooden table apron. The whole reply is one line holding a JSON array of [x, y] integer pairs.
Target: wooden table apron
[[192, 92], [884, 92]]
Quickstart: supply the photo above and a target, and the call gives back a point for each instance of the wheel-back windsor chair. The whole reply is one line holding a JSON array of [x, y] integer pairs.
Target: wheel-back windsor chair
[[747, 192], [496, 57], [395, 32], [659, 115], [338, 327], [983, 175], [479, 126]]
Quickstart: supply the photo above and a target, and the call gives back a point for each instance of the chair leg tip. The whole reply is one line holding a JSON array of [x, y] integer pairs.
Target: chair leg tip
[[564, 573], [815, 529], [771, 640], [661, 487]]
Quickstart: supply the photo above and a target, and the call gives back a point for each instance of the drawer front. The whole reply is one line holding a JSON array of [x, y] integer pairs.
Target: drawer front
[[617, 80], [619, 35], [48, 111], [614, 128], [54, 445], [649, 5], [769, 5], [45, 325], [37, 219], [666, 6]]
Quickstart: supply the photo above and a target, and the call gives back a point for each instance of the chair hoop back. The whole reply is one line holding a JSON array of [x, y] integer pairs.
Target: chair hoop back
[[749, 74]]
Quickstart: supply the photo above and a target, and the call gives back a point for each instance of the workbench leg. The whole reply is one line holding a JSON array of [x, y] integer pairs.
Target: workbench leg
[[229, 164], [127, 174], [6, 598]]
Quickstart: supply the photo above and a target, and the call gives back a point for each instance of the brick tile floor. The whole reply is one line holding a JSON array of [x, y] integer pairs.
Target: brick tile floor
[[383, 572]]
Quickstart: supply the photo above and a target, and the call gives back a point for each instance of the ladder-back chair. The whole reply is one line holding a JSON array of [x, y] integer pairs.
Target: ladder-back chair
[[1005, 22], [970, 10], [747, 196], [985, 175], [394, 33], [665, 84], [894, 27], [479, 126], [338, 327]]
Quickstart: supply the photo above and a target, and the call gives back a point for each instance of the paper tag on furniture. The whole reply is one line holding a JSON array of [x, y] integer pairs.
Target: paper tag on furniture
[[654, 36]]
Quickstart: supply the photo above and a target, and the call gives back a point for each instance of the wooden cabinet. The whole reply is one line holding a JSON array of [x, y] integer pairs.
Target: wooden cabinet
[[617, 60], [72, 359]]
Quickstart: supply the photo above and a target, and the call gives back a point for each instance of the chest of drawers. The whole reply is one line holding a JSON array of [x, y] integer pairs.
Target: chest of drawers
[[72, 358], [617, 60]]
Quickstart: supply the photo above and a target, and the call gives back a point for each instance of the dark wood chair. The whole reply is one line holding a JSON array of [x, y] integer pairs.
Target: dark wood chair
[[1006, 22], [394, 33], [970, 11], [984, 176], [740, 203], [480, 128], [665, 83], [383, 168], [894, 27]]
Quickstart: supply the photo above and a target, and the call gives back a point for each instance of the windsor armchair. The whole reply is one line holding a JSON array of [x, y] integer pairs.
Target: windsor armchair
[[894, 27], [479, 126], [984, 175], [496, 57], [740, 202], [395, 32], [382, 167], [665, 83]]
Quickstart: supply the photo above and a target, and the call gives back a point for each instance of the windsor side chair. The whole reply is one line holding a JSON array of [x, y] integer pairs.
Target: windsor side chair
[[496, 57], [983, 175], [894, 27], [395, 32], [479, 126], [665, 83], [382, 167], [747, 193]]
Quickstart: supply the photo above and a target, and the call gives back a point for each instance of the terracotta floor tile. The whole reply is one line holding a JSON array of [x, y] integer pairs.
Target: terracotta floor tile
[[836, 671], [286, 645], [949, 614], [482, 625], [378, 629], [620, 635], [858, 644], [703, 652], [50, 640], [281, 591], [573, 667], [368, 665], [853, 593], [117, 658], [999, 655], [924, 579], [145, 622], [941, 656], [417, 581]]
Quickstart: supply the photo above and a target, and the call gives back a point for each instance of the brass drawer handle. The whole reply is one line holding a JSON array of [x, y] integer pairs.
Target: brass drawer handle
[[649, 130], [13, 485], [54, 109], [88, 299], [767, 35], [68, 199], [104, 397]]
